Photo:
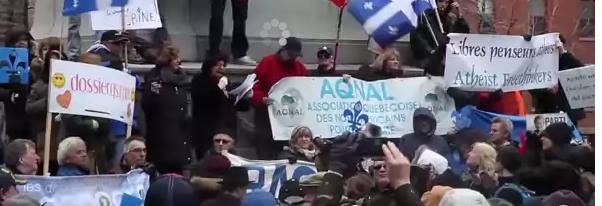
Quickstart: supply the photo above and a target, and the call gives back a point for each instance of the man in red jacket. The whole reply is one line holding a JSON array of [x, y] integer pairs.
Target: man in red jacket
[[284, 63]]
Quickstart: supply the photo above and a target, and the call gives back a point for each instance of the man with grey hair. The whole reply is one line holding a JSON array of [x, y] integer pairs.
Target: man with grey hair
[[72, 156], [21, 158], [501, 133]]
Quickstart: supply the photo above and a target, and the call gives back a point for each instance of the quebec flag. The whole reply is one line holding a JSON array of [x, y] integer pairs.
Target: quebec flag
[[388, 20], [76, 7]]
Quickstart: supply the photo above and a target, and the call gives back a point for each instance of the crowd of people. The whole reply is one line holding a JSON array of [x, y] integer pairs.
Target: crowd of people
[[184, 124]]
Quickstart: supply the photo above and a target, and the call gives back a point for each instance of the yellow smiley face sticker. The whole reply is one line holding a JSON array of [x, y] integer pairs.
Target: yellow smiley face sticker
[[58, 80]]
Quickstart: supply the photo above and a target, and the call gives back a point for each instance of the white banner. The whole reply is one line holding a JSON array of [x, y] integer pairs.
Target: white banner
[[579, 86], [103, 190], [539, 122], [91, 90], [330, 106], [483, 62], [139, 14], [271, 175]]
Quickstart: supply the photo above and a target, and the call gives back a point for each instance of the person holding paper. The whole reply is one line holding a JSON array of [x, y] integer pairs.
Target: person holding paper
[[214, 109]]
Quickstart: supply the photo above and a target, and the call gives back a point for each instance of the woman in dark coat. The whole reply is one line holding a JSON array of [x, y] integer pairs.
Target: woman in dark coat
[[213, 108], [164, 103]]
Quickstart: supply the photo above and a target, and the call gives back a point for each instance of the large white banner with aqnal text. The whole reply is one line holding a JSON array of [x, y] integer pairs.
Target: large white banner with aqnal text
[[104, 190], [331, 106], [483, 62], [91, 90], [139, 14]]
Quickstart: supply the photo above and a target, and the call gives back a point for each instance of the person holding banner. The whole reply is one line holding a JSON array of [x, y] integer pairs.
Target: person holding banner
[[110, 48], [284, 63], [165, 105], [429, 38], [385, 66]]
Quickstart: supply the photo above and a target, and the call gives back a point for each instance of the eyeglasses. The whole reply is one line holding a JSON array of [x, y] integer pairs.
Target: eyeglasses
[[221, 141], [379, 166], [138, 150]]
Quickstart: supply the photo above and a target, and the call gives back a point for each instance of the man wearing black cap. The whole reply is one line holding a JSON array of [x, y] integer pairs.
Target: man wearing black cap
[[271, 69], [110, 49], [325, 64], [8, 184], [234, 188]]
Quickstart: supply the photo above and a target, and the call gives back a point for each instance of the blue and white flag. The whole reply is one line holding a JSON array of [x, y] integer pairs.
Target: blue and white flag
[[387, 20], [76, 7]]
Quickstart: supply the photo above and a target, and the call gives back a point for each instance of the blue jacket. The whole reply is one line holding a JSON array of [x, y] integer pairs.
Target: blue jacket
[[71, 170]]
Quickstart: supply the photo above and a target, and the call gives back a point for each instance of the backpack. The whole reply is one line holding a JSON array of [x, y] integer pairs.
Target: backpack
[[514, 193]]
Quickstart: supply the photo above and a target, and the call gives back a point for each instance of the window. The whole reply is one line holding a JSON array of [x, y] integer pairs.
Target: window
[[538, 19], [586, 22], [486, 14]]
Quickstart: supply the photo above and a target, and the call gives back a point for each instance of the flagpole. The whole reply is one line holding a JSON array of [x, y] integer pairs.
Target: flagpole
[[437, 15], [336, 44]]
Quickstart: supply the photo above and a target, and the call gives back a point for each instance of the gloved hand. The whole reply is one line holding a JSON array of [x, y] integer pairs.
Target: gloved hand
[[341, 155], [94, 124], [223, 82], [527, 37]]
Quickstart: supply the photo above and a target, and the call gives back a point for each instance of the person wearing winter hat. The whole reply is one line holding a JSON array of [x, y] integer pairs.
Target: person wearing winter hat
[[481, 162], [425, 125], [258, 197], [508, 161], [462, 197], [171, 189], [206, 175], [556, 145], [563, 197], [233, 188], [325, 63], [433, 197]]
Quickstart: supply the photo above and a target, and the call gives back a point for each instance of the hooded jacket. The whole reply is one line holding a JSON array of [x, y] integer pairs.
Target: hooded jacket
[[409, 143]]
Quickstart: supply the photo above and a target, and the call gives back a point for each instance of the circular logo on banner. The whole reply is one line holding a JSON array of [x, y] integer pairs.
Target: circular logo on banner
[[288, 110]]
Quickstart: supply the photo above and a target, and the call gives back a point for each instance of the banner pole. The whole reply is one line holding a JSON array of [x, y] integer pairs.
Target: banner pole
[[438, 18], [125, 63], [336, 44], [47, 144]]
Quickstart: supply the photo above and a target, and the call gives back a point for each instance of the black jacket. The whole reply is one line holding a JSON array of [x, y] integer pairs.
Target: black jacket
[[212, 112], [14, 97], [164, 103], [332, 186], [423, 44], [322, 72], [367, 73], [410, 142], [36, 107], [546, 102]]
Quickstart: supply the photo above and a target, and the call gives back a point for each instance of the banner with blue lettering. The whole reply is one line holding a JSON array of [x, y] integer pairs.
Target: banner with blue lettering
[[271, 175], [331, 106], [14, 66], [105, 190]]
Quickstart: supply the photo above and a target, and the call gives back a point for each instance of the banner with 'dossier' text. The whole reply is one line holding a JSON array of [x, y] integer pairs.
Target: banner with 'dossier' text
[[91, 90], [103, 190], [483, 62], [331, 106]]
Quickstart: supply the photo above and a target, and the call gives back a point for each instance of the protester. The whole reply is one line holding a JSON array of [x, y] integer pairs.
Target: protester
[[171, 189], [385, 66], [165, 105], [134, 157], [553, 100], [428, 41], [207, 175], [20, 200], [481, 175], [309, 184], [459, 197], [72, 156], [239, 45], [110, 48], [434, 196], [325, 64], [358, 187], [284, 63], [14, 95], [8, 185], [425, 125], [222, 142], [509, 103], [461, 143], [508, 162], [46, 45], [556, 145], [233, 188], [258, 197], [213, 107], [501, 133], [301, 146], [20, 157]]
